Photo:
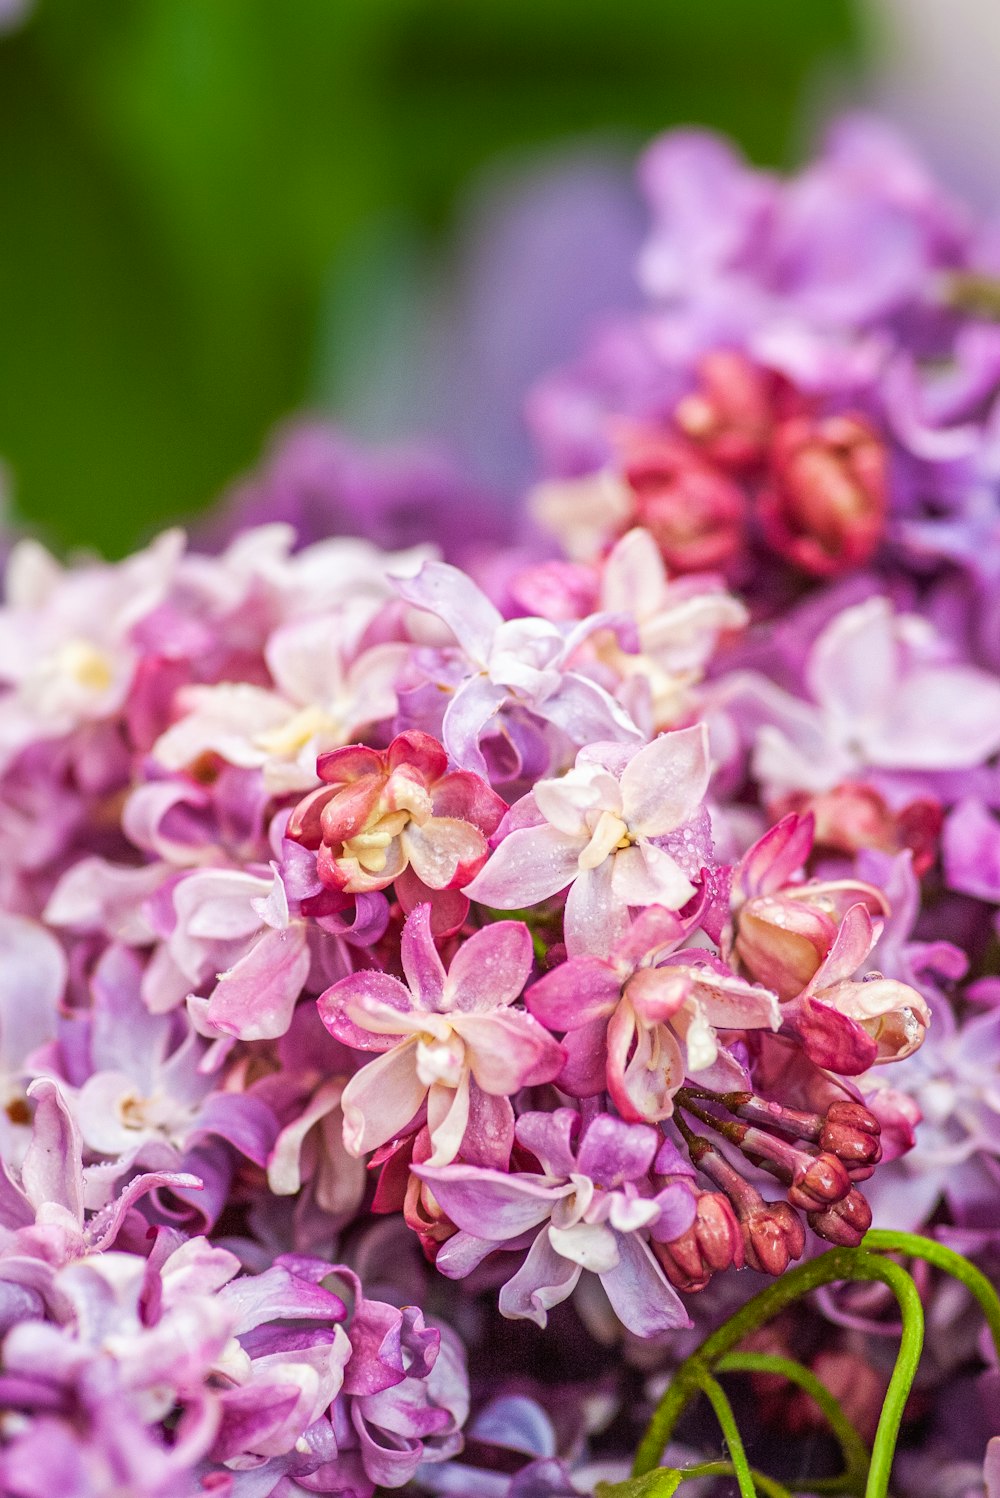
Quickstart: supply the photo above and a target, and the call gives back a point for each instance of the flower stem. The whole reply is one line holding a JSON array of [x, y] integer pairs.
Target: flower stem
[[913, 1246]]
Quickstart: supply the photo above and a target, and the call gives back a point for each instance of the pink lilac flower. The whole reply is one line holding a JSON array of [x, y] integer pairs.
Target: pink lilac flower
[[598, 830], [450, 1039]]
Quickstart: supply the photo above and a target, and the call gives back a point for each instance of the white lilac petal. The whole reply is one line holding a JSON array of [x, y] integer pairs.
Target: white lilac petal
[[528, 866], [544, 1280], [665, 783], [255, 998], [592, 1245], [641, 1296], [447, 1118], [489, 1203], [490, 968], [442, 850], [644, 874], [596, 916], [381, 1099]]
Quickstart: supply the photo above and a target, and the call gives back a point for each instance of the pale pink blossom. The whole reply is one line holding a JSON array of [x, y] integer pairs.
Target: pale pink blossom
[[451, 1040], [597, 831]]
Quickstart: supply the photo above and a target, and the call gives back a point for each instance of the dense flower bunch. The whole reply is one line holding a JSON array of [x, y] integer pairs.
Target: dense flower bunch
[[585, 926]]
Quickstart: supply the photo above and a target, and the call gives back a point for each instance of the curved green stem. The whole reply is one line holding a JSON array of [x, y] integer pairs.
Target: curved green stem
[[731, 1432], [915, 1247], [853, 1448], [664, 1482], [837, 1264]]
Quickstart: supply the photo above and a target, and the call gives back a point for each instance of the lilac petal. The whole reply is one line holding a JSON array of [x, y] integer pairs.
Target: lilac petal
[[453, 596], [596, 916], [462, 1253], [647, 875], [613, 1151], [550, 1137], [421, 963], [254, 1000], [32, 978], [278, 1294], [475, 703], [490, 968], [488, 1203], [544, 1280], [991, 1468], [381, 1099], [587, 714], [851, 945], [640, 1295], [528, 866], [245, 1122], [509, 1050], [104, 1226], [971, 850], [349, 997], [665, 783], [489, 1133], [833, 1040], [776, 857], [52, 1171], [585, 1071], [576, 993], [942, 718], [447, 1118]]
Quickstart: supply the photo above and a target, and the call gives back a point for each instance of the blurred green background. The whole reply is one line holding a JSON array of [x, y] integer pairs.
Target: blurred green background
[[195, 196]]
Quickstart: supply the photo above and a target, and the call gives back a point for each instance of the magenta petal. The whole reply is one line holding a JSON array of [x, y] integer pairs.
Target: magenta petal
[[833, 1040], [491, 968], [613, 1151], [489, 1133], [352, 992], [509, 1050], [576, 993], [488, 1203], [255, 998], [421, 963], [584, 1071]]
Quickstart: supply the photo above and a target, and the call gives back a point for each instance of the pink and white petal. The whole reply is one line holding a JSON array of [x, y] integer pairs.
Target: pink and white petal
[[474, 704], [640, 1294], [856, 935], [776, 857], [592, 1245], [449, 907], [509, 1050], [354, 992], [652, 1076], [51, 1169], [453, 596], [665, 783], [854, 666], [490, 969], [421, 963], [469, 798], [284, 1174], [528, 866], [575, 993], [445, 853], [941, 718], [254, 1000], [447, 1118], [596, 918], [832, 1040], [544, 1280], [733, 1004], [565, 802], [381, 1099], [647, 875], [653, 929], [633, 577]]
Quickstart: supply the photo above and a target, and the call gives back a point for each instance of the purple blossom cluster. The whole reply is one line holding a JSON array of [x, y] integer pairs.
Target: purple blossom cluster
[[392, 950]]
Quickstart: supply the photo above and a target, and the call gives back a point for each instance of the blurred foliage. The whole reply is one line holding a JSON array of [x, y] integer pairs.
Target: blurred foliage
[[183, 181]]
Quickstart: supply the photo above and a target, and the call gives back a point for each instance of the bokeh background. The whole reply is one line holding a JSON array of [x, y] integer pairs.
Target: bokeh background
[[215, 213]]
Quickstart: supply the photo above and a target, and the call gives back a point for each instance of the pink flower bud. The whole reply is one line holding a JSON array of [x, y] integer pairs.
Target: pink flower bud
[[773, 1235], [729, 415], [851, 1132], [845, 1223], [852, 816], [712, 1242], [781, 941], [819, 1184], [693, 511], [824, 505]]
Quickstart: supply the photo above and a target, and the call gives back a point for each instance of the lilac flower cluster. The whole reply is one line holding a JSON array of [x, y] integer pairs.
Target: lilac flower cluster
[[577, 928]]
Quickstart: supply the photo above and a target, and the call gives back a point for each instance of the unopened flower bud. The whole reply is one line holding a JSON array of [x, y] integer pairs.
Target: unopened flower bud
[[694, 512], [729, 414], [781, 941], [712, 1242], [773, 1235], [824, 506], [822, 1182], [845, 1223], [852, 1133]]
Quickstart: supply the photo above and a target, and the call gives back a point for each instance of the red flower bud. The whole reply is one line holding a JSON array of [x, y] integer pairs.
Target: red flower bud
[[694, 512], [729, 415], [712, 1242], [845, 1223], [819, 1184], [773, 1236], [852, 1133], [824, 505]]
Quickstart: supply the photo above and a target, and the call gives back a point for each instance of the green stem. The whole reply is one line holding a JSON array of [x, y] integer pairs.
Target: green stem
[[837, 1264], [730, 1430], [664, 1482], [915, 1247], [855, 1452]]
